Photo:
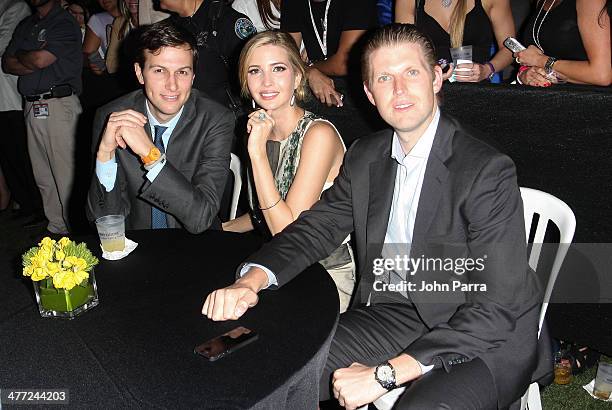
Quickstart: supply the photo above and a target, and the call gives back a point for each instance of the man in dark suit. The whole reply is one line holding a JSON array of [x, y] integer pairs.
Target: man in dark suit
[[428, 187], [175, 161]]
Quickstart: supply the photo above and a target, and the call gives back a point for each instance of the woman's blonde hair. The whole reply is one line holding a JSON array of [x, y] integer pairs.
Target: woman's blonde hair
[[128, 22], [457, 23], [275, 38]]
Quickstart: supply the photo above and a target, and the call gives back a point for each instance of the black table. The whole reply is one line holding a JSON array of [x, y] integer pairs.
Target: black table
[[136, 348]]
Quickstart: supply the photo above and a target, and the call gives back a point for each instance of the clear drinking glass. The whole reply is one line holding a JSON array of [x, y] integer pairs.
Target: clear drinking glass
[[461, 55], [603, 381]]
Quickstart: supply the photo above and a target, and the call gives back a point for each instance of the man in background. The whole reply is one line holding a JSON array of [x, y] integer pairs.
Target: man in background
[[14, 158], [220, 32], [45, 52]]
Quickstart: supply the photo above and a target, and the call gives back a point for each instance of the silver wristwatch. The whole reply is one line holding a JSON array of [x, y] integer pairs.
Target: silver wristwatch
[[548, 67], [385, 375]]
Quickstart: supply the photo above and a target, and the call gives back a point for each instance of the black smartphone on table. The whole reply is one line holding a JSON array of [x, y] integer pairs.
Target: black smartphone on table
[[225, 344]]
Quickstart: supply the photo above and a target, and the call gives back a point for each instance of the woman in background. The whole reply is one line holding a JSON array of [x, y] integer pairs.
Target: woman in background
[[97, 35], [568, 40], [294, 155], [329, 31], [80, 14], [121, 27], [453, 23], [265, 14]]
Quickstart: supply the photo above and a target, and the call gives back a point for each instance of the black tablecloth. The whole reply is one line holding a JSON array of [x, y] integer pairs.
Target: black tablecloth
[[136, 348]]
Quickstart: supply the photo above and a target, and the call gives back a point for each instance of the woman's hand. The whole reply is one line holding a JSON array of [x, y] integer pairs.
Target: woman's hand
[[259, 127], [536, 77], [532, 56], [446, 75], [472, 72], [241, 224], [323, 88]]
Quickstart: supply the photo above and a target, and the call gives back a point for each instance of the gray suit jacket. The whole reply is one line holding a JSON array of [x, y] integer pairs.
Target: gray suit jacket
[[469, 197], [191, 183]]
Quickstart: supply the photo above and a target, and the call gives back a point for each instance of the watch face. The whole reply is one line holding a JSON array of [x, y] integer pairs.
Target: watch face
[[385, 373], [155, 153]]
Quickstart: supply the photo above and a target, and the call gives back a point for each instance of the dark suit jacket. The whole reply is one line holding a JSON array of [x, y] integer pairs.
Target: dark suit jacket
[[469, 196], [191, 183]]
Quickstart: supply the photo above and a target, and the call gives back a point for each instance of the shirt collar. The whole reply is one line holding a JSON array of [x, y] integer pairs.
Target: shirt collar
[[170, 124], [423, 146]]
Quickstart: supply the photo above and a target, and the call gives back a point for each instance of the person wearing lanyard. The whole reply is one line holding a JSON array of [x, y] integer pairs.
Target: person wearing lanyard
[[328, 29], [221, 32], [45, 52], [173, 174]]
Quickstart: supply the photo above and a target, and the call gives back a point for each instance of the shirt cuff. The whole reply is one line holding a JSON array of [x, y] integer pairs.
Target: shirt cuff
[[153, 172], [425, 369], [107, 173], [271, 276]]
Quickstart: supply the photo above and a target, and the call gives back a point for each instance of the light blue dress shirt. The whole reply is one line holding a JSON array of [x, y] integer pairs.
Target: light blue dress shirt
[[107, 171]]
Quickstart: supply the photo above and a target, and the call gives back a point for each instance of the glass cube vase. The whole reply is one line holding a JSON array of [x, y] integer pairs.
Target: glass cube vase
[[66, 304]]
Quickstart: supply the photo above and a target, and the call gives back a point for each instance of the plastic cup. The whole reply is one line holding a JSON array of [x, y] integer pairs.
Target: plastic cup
[[461, 55], [603, 381], [111, 229]]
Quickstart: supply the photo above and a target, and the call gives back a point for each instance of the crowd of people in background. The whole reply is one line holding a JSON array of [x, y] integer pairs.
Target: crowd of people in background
[[568, 41]]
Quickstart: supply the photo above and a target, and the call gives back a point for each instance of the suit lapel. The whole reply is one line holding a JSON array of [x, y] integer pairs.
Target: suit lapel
[[436, 174], [381, 184]]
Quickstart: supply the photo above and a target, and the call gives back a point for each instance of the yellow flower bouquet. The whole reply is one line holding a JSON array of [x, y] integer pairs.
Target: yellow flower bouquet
[[63, 277]]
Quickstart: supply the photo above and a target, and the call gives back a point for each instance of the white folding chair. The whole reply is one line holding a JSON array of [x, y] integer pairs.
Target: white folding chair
[[549, 208], [236, 169]]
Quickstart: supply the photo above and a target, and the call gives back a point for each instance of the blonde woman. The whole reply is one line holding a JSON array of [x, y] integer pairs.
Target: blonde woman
[[453, 23], [294, 155]]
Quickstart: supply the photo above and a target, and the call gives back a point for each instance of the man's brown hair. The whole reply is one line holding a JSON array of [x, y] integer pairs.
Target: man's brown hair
[[393, 35]]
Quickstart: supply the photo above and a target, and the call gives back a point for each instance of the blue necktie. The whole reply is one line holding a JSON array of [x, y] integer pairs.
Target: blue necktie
[[158, 217]]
